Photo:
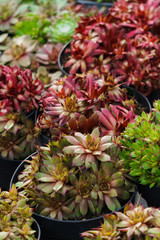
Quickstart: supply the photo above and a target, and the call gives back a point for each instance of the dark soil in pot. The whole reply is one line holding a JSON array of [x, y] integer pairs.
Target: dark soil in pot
[[151, 195], [53, 229]]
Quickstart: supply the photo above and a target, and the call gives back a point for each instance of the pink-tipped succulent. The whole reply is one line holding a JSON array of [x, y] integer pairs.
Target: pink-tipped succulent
[[19, 52], [115, 119], [88, 148], [136, 222], [48, 55], [136, 16], [22, 91]]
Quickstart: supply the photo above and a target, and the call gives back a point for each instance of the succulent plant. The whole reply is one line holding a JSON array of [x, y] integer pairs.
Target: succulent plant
[[22, 91], [136, 222], [19, 52], [136, 16], [33, 25], [59, 189], [10, 10], [77, 103], [47, 56], [87, 149], [62, 30], [15, 216], [4, 40], [140, 147]]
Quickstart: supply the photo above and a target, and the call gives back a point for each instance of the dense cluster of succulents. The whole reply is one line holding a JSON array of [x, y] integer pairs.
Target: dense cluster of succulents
[[102, 45], [81, 103], [19, 95], [140, 144], [18, 87], [136, 222], [61, 184], [15, 216]]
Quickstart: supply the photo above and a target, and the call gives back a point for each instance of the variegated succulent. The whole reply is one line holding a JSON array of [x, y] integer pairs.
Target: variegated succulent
[[19, 52], [18, 86], [59, 189], [79, 103], [136, 222], [15, 216]]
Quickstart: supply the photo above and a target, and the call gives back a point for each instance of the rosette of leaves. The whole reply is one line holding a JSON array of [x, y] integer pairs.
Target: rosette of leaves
[[80, 103], [18, 87], [140, 144], [62, 30], [59, 189], [15, 216], [10, 11], [33, 25], [19, 52], [136, 222], [18, 137]]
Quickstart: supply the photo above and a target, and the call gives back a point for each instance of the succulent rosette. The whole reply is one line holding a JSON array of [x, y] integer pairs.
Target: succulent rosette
[[18, 86], [19, 52], [59, 189], [10, 11], [136, 222]]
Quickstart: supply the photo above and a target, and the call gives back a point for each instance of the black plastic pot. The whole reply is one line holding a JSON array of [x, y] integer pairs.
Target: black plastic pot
[[155, 95], [142, 101], [94, 3], [151, 195], [7, 168], [52, 229], [61, 56], [36, 227]]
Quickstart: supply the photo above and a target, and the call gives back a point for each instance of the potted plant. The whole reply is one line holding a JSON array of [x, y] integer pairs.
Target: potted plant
[[71, 182], [83, 102], [141, 153], [16, 220], [19, 96], [103, 46], [136, 222]]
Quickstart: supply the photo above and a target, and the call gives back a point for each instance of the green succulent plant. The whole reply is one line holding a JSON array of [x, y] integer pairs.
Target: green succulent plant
[[33, 25], [62, 30], [141, 147], [59, 189], [15, 216]]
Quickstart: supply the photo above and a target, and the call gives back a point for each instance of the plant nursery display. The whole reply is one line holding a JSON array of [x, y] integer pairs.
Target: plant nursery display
[[140, 144], [16, 220], [136, 222], [79, 124]]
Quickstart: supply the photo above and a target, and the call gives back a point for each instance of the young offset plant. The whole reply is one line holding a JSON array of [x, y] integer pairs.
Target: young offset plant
[[140, 144], [15, 216], [64, 183], [136, 222]]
